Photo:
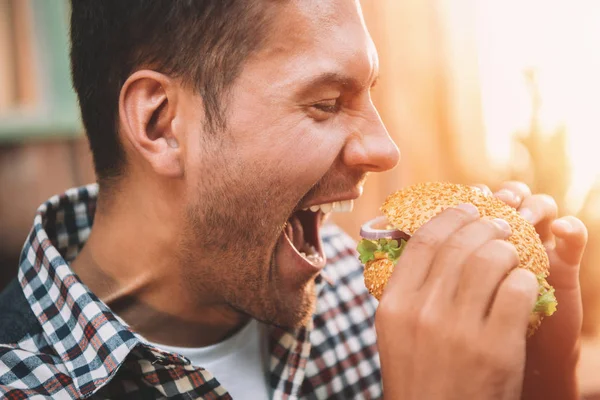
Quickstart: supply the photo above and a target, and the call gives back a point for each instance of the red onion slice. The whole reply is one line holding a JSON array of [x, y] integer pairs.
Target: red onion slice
[[378, 228]]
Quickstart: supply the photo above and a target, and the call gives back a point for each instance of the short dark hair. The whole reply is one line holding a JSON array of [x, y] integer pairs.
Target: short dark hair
[[202, 42]]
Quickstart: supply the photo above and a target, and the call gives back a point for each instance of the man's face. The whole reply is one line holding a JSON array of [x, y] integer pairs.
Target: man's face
[[301, 131]]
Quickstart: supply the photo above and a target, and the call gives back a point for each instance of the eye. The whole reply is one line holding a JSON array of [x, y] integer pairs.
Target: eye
[[328, 106]]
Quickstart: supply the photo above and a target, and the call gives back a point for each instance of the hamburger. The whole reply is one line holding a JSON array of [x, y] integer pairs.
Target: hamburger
[[405, 211]]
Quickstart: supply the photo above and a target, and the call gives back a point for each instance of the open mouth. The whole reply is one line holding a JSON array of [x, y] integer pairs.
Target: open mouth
[[302, 231]]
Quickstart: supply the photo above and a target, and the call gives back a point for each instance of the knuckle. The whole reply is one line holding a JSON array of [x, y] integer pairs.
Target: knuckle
[[424, 239], [454, 245], [427, 320], [463, 240], [497, 254], [426, 325]]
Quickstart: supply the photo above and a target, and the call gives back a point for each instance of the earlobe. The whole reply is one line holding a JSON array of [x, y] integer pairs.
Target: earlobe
[[147, 109]]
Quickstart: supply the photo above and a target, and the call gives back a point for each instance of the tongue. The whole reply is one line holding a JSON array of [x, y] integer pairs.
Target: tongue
[[297, 232]]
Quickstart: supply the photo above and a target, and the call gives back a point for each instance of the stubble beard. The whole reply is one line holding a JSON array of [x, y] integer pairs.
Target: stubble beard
[[230, 258]]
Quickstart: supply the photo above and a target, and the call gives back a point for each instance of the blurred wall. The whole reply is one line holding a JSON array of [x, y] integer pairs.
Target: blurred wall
[[29, 174]]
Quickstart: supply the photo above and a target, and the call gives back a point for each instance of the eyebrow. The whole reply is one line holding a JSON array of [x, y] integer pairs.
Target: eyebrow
[[336, 79]]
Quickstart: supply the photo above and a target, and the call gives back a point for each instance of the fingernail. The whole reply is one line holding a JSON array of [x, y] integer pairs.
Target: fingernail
[[527, 214], [468, 207], [506, 196], [563, 225], [505, 226]]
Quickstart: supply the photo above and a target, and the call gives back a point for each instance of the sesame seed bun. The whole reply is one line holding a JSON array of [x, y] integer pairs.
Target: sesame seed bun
[[408, 209]]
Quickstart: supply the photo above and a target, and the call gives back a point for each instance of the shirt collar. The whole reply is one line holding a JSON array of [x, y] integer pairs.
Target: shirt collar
[[91, 341]]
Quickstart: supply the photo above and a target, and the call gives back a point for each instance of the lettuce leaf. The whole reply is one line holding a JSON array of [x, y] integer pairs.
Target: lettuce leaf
[[546, 302], [382, 248]]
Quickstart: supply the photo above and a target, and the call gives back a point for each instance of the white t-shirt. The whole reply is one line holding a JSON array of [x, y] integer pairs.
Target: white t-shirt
[[238, 363]]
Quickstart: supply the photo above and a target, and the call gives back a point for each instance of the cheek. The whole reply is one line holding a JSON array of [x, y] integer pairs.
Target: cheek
[[302, 153], [315, 152]]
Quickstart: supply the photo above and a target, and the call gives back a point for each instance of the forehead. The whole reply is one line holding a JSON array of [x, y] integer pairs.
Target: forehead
[[320, 36]]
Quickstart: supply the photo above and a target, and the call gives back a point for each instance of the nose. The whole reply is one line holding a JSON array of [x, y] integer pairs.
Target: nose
[[371, 148]]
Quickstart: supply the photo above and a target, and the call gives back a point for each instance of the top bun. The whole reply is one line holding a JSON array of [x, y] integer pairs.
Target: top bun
[[410, 208]]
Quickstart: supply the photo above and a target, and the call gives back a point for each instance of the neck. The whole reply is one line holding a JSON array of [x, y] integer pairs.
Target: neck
[[131, 262]]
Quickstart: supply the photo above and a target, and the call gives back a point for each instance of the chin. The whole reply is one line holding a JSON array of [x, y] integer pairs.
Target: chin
[[292, 310]]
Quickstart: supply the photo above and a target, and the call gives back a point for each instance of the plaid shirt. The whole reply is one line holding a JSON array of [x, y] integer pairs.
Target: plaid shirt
[[61, 342]]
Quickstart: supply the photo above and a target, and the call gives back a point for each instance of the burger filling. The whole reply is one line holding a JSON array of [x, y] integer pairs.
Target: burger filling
[[381, 248], [391, 249]]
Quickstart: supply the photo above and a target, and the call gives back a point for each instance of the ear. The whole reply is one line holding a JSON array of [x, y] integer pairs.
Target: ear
[[147, 110]]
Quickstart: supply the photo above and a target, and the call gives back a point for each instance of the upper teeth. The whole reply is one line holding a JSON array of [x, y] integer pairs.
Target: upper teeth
[[336, 206]]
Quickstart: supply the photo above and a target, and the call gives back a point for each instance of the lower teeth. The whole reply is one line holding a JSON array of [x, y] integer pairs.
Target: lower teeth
[[312, 256]]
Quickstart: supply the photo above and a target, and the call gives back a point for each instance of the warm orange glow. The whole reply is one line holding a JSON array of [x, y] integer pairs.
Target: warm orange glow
[[560, 40]]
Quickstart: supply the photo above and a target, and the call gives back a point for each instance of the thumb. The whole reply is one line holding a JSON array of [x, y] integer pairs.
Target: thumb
[[570, 240]]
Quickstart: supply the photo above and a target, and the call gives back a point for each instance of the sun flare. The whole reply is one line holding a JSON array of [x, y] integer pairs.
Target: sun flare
[[559, 41]]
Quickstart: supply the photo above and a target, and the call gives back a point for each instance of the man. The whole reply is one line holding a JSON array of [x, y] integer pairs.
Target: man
[[222, 132]]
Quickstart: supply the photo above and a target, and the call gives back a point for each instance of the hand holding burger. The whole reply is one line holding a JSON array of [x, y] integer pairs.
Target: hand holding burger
[[459, 297]]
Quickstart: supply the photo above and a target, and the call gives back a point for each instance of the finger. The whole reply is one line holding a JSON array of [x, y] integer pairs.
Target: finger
[[571, 239], [540, 210], [509, 198], [482, 274], [513, 304], [513, 193], [448, 263], [413, 266], [484, 188]]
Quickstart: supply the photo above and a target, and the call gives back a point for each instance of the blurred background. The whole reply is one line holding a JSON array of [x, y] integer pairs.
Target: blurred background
[[472, 91]]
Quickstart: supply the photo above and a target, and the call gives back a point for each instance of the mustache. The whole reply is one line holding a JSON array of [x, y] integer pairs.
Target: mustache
[[329, 185]]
